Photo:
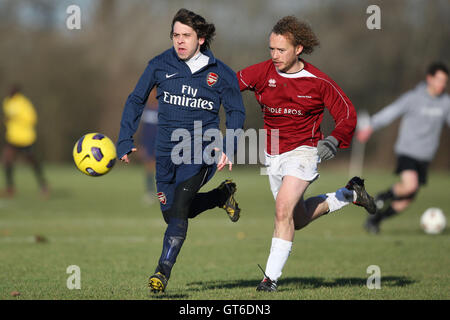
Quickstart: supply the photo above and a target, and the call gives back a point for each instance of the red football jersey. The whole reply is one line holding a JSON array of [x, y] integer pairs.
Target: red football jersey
[[294, 104]]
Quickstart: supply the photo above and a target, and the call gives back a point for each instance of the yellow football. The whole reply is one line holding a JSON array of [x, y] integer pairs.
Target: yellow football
[[94, 154]]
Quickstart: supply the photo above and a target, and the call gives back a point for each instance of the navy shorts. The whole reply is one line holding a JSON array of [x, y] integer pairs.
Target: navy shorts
[[408, 163], [170, 175]]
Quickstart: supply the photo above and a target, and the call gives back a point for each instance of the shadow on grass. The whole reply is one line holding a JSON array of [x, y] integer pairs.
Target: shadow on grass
[[163, 296], [300, 283]]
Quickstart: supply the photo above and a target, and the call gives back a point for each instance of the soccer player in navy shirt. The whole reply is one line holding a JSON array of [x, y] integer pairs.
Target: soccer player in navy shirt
[[191, 85]]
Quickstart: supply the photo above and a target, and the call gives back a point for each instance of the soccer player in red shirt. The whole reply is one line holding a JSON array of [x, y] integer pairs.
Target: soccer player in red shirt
[[293, 95]]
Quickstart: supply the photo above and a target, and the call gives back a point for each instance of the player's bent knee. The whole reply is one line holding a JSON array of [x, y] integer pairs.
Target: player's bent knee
[[166, 216], [410, 186], [177, 227], [282, 208], [412, 190], [283, 213]]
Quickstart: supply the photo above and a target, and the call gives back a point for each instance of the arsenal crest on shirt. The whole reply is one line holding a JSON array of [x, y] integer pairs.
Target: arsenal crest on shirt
[[211, 78], [162, 197]]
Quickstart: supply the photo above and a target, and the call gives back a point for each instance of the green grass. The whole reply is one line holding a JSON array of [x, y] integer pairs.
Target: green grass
[[103, 226]]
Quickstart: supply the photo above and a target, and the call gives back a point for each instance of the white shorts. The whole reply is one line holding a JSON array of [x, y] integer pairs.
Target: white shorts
[[300, 163]]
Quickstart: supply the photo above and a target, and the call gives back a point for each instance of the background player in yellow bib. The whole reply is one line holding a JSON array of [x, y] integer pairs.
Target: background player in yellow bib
[[20, 120]]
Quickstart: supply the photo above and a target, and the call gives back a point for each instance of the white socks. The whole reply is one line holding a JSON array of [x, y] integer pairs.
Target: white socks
[[279, 253], [340, 198], [280, 249]]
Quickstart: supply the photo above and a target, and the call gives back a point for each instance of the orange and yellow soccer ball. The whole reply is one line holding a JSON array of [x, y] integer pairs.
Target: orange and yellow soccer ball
[[94, 154]]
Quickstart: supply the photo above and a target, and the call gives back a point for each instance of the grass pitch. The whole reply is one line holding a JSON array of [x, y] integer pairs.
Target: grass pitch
[[103, 226]]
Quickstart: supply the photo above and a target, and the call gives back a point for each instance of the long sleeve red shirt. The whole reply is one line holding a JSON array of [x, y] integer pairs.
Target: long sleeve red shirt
[[294, 104]]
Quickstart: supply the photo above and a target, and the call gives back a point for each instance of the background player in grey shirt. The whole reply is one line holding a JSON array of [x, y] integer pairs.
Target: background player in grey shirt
[[424, 110]]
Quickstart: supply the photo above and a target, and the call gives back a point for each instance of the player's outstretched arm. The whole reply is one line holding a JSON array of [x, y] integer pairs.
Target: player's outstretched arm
[[231, 99], [384, 117], [363, 135], [391, 112], [132, 111]]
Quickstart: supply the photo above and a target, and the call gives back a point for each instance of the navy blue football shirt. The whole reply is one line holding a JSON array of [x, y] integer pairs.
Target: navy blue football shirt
[[183, 98]]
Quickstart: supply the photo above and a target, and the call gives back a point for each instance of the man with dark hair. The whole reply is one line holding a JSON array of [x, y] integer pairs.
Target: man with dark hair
[[293, 95], [204, 30], [424, 110], [191, 85], [20, 121]]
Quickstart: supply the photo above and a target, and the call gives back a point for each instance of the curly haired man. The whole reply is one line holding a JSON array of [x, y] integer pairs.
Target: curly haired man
[[293, 95]]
